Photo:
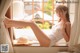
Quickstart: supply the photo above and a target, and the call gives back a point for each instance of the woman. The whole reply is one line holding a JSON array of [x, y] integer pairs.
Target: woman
[[59, 31]]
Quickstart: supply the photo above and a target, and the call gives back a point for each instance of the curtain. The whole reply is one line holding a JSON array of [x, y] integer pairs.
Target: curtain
[[78, 23], [78, 27], [75, 30], [4, 35]]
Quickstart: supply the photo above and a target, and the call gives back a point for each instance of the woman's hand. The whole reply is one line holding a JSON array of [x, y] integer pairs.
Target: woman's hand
[[6, 21]]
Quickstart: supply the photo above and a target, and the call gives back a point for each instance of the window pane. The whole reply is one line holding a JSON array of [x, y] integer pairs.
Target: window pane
[[38, 1], [28, 8], [47, 24], [38, 18], [48, 5], [37, 7], [50, 13], [38, 15], [27, 1], [56, 18]]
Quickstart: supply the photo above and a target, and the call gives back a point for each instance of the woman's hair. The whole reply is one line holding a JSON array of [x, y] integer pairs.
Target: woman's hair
[[65, 9]]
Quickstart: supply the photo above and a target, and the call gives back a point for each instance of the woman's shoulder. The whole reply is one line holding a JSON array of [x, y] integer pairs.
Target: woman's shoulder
[[68, 23]]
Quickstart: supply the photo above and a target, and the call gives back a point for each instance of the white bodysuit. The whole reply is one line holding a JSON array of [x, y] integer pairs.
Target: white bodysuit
[[56, 34]]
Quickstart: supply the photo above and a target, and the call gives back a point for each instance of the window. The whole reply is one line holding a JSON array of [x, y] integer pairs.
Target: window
[[40, 11]]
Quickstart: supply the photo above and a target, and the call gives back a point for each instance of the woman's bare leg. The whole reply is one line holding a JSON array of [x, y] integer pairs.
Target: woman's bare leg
[[42, 38]]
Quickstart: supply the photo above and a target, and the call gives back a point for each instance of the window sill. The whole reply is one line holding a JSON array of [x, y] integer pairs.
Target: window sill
[[29, 43], [36, 44]]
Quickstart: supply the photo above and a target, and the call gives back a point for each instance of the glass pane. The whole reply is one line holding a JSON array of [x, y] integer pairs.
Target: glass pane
[[37, 6], [48, 5], [40, 1], [27, 0], [47, 25], [50, 13], [38, 15], [28, 8], [28, 17], [44, 25], [38, 18], [45, 1], [48, 19]]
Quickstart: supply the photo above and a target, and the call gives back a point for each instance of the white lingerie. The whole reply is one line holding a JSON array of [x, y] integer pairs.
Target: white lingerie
[[56, 34]]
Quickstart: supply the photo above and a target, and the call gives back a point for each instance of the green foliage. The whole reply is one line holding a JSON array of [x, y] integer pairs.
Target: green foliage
[[48, 7], [45, 25]]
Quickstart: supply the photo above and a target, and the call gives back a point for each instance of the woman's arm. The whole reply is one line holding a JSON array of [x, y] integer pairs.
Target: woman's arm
[[68, 29], [66, 32], [65, 36]]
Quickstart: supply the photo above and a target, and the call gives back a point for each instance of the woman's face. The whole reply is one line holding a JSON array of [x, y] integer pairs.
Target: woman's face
[[58, 14]]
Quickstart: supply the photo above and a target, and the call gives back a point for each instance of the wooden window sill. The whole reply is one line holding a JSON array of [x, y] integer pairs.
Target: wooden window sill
[[36, 44]]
